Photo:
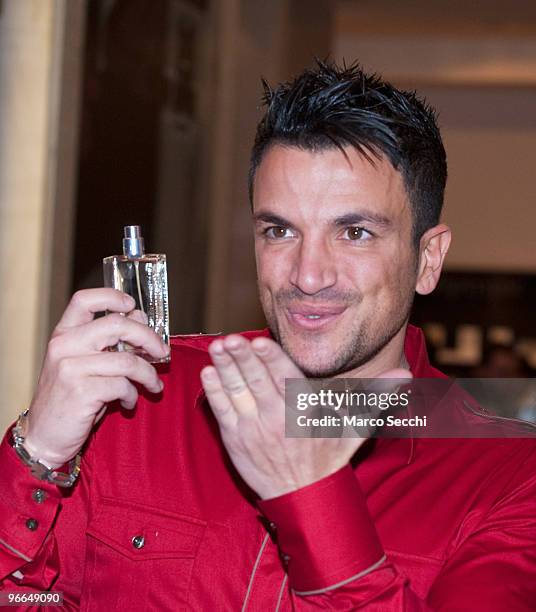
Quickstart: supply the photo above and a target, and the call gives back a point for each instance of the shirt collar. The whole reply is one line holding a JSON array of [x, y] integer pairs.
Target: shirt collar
[[417, 355]]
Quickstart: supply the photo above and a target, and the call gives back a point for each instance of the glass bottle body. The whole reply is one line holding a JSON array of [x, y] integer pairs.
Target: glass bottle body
[[145, 279]]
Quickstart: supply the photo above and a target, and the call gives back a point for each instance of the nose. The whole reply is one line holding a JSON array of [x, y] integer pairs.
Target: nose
[[314, 267]]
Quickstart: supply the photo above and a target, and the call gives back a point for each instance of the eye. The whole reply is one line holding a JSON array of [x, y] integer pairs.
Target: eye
[[356, 233], [278, 232]]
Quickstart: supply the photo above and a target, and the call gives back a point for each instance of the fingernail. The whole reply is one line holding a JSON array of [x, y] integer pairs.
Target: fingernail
[[207, 374], [260, 348], [129, 301], [217, 347], [232, 342]]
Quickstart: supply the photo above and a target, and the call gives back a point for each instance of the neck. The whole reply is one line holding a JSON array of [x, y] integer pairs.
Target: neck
[[390, 357]]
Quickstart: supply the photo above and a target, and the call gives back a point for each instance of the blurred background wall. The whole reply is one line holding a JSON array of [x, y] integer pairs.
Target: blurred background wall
[[143, 111], [41, 46]]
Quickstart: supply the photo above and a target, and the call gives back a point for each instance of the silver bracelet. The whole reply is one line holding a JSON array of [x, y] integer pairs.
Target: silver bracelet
[[38, 469]]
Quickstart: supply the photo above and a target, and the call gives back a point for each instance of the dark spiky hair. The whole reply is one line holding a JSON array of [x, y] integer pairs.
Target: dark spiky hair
[[331, 106]]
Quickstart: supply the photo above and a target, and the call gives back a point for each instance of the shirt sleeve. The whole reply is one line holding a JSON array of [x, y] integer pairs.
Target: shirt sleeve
[[335, 560], [325, 532], [37, 520]]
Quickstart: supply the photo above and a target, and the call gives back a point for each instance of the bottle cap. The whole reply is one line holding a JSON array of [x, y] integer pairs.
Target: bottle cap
[[133, 242]]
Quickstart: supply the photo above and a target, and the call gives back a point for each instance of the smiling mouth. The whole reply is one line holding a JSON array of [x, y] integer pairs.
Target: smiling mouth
[[313, 318]]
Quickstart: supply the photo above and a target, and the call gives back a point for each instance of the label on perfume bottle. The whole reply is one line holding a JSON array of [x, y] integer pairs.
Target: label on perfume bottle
[[144, 279]]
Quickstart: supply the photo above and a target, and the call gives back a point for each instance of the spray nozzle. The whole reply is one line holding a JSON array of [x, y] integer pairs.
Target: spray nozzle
[[133, 242]]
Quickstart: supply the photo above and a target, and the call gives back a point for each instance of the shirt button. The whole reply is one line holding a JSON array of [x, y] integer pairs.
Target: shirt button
[[138, 541], [273, 526], [32, 524], [39, 496], [285, 558]]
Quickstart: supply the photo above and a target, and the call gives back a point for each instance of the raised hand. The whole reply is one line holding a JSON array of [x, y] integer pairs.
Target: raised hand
[[79, 376], [246, 390]]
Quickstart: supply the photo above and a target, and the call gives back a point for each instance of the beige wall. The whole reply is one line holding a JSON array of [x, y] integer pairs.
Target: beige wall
[[33, 195], [478, 68], [490, 136], [491, 199]]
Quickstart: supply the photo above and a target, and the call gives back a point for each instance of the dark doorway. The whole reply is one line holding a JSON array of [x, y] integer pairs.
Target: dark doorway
[[141, 144]]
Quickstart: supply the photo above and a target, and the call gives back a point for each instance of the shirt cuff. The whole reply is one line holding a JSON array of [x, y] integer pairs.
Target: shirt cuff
[[325, 533], [28, 506]]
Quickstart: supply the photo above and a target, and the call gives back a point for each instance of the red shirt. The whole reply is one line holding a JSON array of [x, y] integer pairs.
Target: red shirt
[[160, 520]]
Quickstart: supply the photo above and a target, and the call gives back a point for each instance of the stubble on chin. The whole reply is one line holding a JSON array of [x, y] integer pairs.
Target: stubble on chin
[[316, 360], [311, 354]]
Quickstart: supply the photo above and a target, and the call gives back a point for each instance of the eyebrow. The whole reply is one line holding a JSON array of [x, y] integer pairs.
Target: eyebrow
[[271, 218], [363, 217], [344, 220]]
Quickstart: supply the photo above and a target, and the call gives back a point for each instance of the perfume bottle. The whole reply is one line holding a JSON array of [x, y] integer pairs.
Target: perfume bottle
[[144, 277]]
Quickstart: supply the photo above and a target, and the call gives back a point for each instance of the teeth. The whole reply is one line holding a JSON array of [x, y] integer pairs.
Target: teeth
[[312, 316]]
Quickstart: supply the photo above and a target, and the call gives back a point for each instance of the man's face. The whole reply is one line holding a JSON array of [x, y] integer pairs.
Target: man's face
[[335, 259]]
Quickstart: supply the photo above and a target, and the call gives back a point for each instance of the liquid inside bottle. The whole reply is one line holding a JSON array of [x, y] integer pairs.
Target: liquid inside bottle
[[144, 277]]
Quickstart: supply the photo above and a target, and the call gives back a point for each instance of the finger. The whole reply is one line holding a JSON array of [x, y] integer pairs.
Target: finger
[[231, 378], [108, 331], [253, 370], [244, 403], [139, 316], [113, 364], [84, 304], [110, 389], [220, 403], [277, 362]]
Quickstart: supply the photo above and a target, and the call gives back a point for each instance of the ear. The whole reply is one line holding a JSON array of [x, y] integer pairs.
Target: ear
[[432, 250]]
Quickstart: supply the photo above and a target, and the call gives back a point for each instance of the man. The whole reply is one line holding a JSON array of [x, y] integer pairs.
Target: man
[[196, 500]]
